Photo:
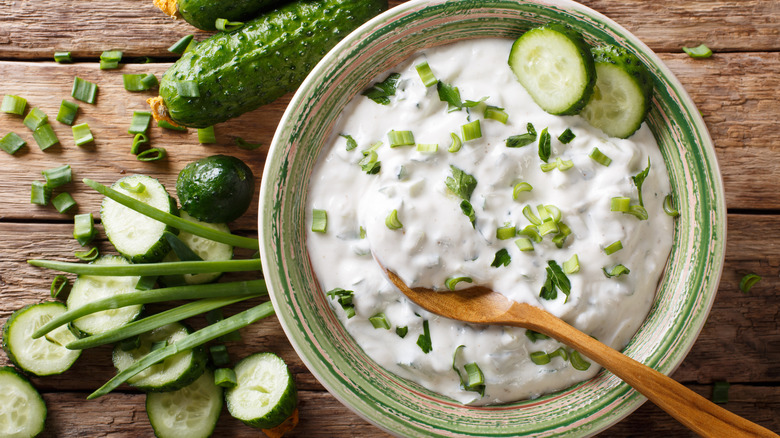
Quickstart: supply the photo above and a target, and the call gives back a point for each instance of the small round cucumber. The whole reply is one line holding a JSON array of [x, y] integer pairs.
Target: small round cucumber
[[88, 288], [205, 248], [216, 189], [265, 395], [190, 412], [172, 373], [134, 235], [555, 66], [621, 97], [22, 409], [46, 355]]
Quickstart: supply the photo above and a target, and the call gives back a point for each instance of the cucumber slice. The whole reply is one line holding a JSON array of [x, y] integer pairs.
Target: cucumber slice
[[555, 66], [621, 97], [22, 409], [265, 395], [46, 355], [205, 248], [88, 288], [171, 374], [190, 412], [135, 236]]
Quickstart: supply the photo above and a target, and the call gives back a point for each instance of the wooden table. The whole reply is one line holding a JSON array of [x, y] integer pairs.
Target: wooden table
[[736, 90]]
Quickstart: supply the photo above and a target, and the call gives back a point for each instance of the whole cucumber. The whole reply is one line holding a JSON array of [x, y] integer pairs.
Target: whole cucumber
[[236, 72], [204, 13]]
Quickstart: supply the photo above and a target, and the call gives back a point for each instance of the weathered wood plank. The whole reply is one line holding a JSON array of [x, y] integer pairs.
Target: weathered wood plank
[[736, 94], [36, 29]]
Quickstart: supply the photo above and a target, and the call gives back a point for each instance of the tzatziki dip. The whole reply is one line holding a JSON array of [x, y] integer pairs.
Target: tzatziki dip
[[447, 185]]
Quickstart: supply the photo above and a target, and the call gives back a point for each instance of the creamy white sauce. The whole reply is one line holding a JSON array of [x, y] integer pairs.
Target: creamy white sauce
[[437, 240]]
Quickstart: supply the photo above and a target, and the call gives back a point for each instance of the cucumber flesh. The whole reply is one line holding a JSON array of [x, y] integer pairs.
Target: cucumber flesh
[[205, 248], [555, 66], [88, 288], [22, 409], [134, 235], [46, 355], [621, 97], [190, 412], [265, 395], [171, 374]]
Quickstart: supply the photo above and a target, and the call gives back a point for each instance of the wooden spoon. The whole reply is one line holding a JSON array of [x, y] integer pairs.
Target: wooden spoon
[[481, 305]]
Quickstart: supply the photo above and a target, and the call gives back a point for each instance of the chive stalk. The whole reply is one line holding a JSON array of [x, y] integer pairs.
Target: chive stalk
[[207, 135], [700, 51], [59, 286], [152, 154], [566, 136], [613, 248], [571, 266], [620, 204], [162, 268], [225, 378], [427, 148], [506, 232], [496, 113], [520, 188], [748, 281], [669, 208], [219, 355], [87, 256], [524, 244]]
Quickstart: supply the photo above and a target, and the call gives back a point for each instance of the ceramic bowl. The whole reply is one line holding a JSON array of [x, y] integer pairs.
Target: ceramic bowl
[[401, 407]]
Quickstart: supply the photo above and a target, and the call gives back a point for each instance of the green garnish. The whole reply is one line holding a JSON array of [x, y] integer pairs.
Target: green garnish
[[616, 271], [402, 331], [520, 188], [351, 143], [468, 210], [748, 281], [319, 221], [613, 248], [344, 298], [11, 143], [40, 193], [35, 119], [45, 137], [639, 179], [63, 202], [566, 137], [540, 358], [426, 74], [529, 214], [461, 183], [379, 321], [700, 51], [68, 112], [599, 157], [471, 131], [89, 255], [572, 266], [451, 282], [577, 361], [427, 148], [153, 154], [62, 57], [84, 228], [206, 135], [57, 176], [138, 141], [502, 258], [424, 340], [166, 125], [380, 92], [60, 285], [400, 138], [506, 232], [548, 227], [224, 25], [179, 46], [140, 122], [556, 279], [524, 244], [532, 232], [13, 104], [496, 113], [139, 82], [638, 211], [545, 147], [370, 162], [517, 141], [451, 95], [669, 206], [109, 59], [225, 378], [476, 380], [456, 143], [219, 354], [535, 336], [84, 90], [392, 221], [620, 204]]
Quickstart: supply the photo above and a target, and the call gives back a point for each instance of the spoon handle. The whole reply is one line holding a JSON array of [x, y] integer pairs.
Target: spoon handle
[[689, 408]]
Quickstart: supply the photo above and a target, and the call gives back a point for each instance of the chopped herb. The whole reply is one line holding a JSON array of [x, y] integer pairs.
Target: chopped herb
[[639, 179], [140, 122], [540, 358], [400, 138], [476, 380], [517, 141], [620, 204], [351, 143], [149, 81], [111, 56], [370, 163], [139, 82], [535, 336], [577, 361], [402, 331], [62, 57], [88, 256], [68, 112], [424, 340], [720, 392], [427, 148], [524, 244], [599, 157], [11, 143], [502, 258], [548, 227], [461, 183], [82, 134], [452, 282], [638, 211], [566, 137], [40, 193], [153, 154], [136, 188], [426, 74], [63, 202], [560, 352], [556, 279], [669, 206], [530, 128], [84, 228], [520, 188], [451, 95], [207, 135], [456, 143], [344, 298], [380, 92], [544, 145], [748, 281], [319, 221], [616, 271], [219, 353], [225, 378], [84, 90], [613, 248], [138, 141], [496, 113], [506, 232], [179, 46], [529, 214], [379, 321], [60, 286], [57, 176], [532, 231], [243, 144], [700, 51], [468, 210], [45, 137], [572, 266], [471, 131], [13, 104], [35, 119], [224, 25], [392, 221]]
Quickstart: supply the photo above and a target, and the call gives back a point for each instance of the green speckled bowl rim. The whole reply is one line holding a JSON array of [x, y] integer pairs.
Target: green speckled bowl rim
[[684, 297]]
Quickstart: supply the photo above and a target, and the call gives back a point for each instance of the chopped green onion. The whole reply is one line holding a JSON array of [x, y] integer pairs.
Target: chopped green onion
[[560, 239], [548, 227], [456, 143], [544, 213], [613, 248], [82, 135], [599, 157], [506, 232], [379, 321], [502, 258], [496, 113], [45, 137], [219, 354], [206, 135], [461, 183], [62, 57], [111, 56], [578, 362], [167, 125], [40, 194], [471, 131], [532, 231], [520, 188], [344, 298], [427, 147], [224, 25], [392, 221], [453, 281], [546, 167], [720, 392], [639, 179], [84, 228], [468, 210], [700, 51], [35, 119], [529, 214], [572, 266], [84, 90], [149, 81], [59, 286], [319, 221], [564, 165], [351, 142], [566, 137], [108, 65], [162, 268], [57, 176], [225, 378], [362, 233], [669, 206], [187, 89], [380, 92], [620, 203], [426, 74], [68, 111], [545, 148], [748, 281], [424, 340], [535, 336], [517, 141], [88, 256], [179, 46], [191, 46], [13, 104], [402, 331], [139, 82], [560, 352], [136, 188], [616, 271], [138, 141], [63, 202], [540, 358], [475, 376], [638, 211], [400, 138], [11, 143], [140, 122], [145, 282], [153, 154], [554, 212], [524, 244]]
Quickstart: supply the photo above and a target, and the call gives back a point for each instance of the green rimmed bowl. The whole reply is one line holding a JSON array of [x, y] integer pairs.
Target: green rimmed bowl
[[685, 294]]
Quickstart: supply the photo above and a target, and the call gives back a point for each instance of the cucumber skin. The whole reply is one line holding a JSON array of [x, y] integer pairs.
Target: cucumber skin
[[628, 62], [204, 13], [269, 56]]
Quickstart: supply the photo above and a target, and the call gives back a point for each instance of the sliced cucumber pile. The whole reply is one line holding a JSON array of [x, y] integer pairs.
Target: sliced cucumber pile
[[555, 66], [88, 288], [22, 409], [135, 236], [171, 374], [621, 96], [190, 412], [265, 395], [205, 248], [46, 355]]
